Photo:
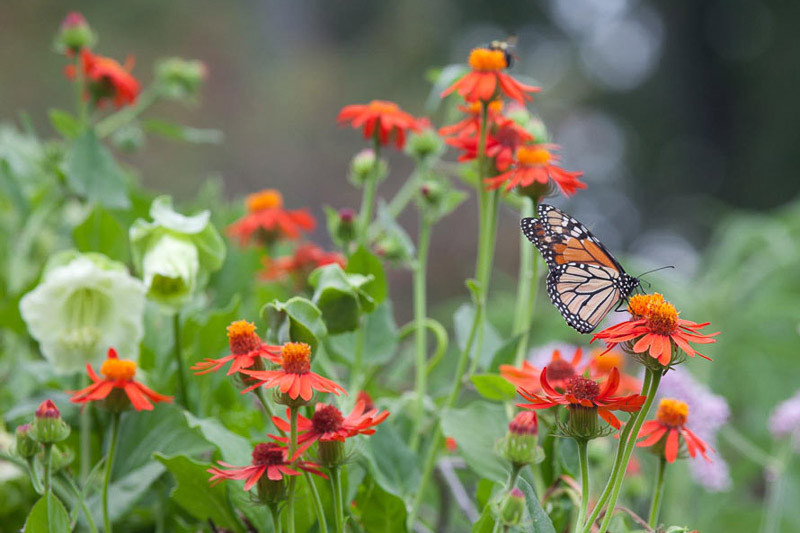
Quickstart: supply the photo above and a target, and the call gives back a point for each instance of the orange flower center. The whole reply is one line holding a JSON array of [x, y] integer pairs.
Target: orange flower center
[[524, 423], [327, 418], [582, 388], [267, 454], [639, 304], [662, 318], [605, 363], [242, 337], [382, 107], [485, 60], [118, 369], [495, 106], [672, 413], [266, 199], [535, 155], [296, 358], [560, 370]]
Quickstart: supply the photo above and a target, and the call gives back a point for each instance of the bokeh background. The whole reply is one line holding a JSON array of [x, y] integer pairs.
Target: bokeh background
[[683, 116]]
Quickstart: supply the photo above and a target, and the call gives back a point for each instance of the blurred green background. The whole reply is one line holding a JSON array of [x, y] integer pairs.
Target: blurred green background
[[683, 116]]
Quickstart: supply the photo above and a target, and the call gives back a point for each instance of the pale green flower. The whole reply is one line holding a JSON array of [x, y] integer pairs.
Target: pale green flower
[[175, 253], [84, 304]]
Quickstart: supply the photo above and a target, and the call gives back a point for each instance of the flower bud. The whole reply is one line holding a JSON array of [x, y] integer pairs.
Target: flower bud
[[512, 508], [271, 492], [363, 167], [61, 458], [390, 248], [128, 138], [431, 192], [48, 427], [27, 447], [74, 34], [180, 79], [582, 422], [331, 453], [345, 229], [519, 446], [425, 145]]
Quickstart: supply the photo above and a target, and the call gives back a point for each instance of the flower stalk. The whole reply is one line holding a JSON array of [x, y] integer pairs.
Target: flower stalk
[[420, 317], [368, 198], [176, 328], [338, 500], [112, 446], [48, 455], [583, 457], [126, 115], [527, 285], [292, 481], [658, 492]]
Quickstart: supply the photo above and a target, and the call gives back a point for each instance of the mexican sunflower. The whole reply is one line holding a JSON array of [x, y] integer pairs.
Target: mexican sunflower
[[329, 424], [559, 372], [471, 124], [267, 221], [582, 393], [295, 377], [654, 328], [502, 143], [537, 164], [118, 375], [268, 458], [487, 80], [106, 79], [305, 258], [381, 119], [603, 362], [247, 350], [668, 428]]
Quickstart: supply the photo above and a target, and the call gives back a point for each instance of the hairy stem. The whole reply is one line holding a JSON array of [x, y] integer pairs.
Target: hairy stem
[[658, 492]]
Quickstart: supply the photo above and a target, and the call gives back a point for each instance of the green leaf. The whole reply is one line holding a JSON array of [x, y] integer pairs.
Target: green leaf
[[380, 510], [203, 331], [233, 448], [365, 263], [64, 123], [539, 521], [195, 495], [393, 464], [484, 524], [47, 516], [380, 338], [178, 132], [101, 232], [475, 429], [296, 320], [494, 387], [340, 297], [93, 173], [462, 322], [505, 354]]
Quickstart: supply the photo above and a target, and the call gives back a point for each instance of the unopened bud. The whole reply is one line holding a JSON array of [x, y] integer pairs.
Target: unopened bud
[[512, 508], [425, 145], [519, 446], [180, 78], [74, 34], [48, 427], [27, 447], [331, 453], [363, 167]]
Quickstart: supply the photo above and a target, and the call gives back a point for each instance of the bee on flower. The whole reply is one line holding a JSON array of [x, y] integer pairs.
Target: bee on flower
[[487, 79]]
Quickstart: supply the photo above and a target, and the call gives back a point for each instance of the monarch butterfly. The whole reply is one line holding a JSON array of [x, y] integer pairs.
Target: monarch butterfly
[[585, 281]]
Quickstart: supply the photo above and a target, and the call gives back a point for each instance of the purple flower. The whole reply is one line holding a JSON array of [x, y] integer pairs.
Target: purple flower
[[785, 419]]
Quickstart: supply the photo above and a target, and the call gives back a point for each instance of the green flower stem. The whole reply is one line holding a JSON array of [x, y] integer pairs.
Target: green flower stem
[[658, 492], [512, 478], [771, 519], [86, 441], [623, 439], [276, 518], [368, 198], [125, 115], [80, 104], [405, 194], [81, 501], [35, 481], [421, 337], [338, 500], [319, 509], [183, 395], [629, 446], [292, 480], [358, 356], [48, 453], [527, 285], [745, 446], [112, 446], [267, 408], [583, 457]]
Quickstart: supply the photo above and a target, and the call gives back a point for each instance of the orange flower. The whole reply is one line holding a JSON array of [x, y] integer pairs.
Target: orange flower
[[268, 458], [536, 164], [668, 428], [306, 258], [584, 392], [603, 362], [106, 79], [268, 221], [501, 144], [382, 119], [471, 125], [118, 374], [654, 329], [295, 378], [486, 80], [559, 370], [247, 350], [328, 424]]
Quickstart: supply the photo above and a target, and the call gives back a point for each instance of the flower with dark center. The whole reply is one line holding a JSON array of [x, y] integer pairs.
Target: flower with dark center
[[268, 458], [247, 351], [559, 371]]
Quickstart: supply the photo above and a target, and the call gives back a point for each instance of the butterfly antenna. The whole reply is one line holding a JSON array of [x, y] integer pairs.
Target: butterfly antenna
[[654, 270]]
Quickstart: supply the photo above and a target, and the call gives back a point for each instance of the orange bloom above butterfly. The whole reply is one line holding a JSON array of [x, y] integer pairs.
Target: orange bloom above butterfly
[[486, 81], [670, 426], [118, 375], [537, 164], [267, 221], [381, 119]]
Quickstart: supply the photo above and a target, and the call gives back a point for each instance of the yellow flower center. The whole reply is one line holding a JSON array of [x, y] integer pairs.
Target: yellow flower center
[[296, 358], [639, 304], [486, 60], [662, 318], [672, 412], [383, 107], [266, 199], [495, 106], [605, 363], [118, 369], [534, 155], [242, 337]]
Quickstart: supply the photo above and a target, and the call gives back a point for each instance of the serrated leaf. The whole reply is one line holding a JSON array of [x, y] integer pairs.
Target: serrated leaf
[[93, 173], [494, 387], [393, 464], [539, 521]]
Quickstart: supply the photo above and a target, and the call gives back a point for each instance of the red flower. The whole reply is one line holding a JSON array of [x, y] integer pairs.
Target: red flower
[[382, 119], [247, 350], [486, 80], [268, 221], [106, 79], [328, 424], [501, 144], [654, 329], [295, 378], [670, 425], [535, 164], [268, 458], [471, 125], [306, 258], [118, 374], [559, 372], [584, 392]]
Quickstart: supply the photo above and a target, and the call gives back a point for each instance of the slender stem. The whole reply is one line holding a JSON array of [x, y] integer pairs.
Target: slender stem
[[629, 446], [319, 509], [292, 480], [404, 195], [512, 478], [35, 481], [420, 316], [48, 453], [368, 198], [86, 440], [583, 457], [771, 519], [80, 103], [527, 285], [276, 518], [338, 501], [745, 446], [79, 498], [122, 117], [112, 446], [267, 408], [658, 492], [176, 328], [358, 356]]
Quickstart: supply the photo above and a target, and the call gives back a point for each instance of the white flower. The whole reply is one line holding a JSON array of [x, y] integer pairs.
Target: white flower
[[84, 304]]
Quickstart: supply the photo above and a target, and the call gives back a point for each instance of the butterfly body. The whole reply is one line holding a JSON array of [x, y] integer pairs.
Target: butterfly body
[[585, 281]]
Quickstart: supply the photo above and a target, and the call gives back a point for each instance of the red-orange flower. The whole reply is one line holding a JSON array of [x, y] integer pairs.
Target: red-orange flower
[[584, 392], [471, 124], [487, 80], [603, 362], [382, 119], [305, 258], [654, 328], [295, 377], [118, 374], [328, 424], [268, 221], [559, 372], [247, 349], [502, 142], [268, 458], [537, 164], [669, 426], [106, 79]]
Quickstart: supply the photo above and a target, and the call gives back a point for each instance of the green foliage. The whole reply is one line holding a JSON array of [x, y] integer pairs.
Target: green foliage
[[494, 387], [296, 320], [93, 173], [48, 516], [475, 429], [380, 339], [101, 232], [341, 297], [380, 510]]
